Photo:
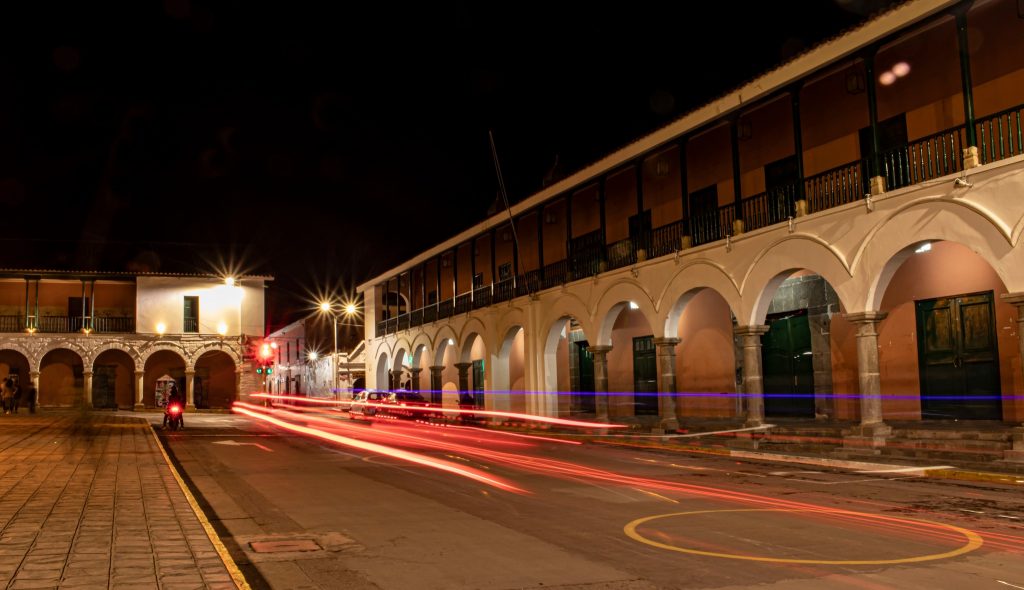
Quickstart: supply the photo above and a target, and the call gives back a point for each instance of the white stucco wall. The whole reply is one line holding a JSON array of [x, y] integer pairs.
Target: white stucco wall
[[161, 300]]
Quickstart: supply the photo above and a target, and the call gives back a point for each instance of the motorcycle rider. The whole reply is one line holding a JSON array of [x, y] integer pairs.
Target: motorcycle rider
[[174, 398]]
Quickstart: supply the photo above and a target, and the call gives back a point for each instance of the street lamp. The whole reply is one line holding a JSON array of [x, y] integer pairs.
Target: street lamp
[[349, 309]]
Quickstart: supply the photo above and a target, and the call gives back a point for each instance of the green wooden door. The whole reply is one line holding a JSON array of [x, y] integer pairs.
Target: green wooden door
[[582, 399], [104, 386], [787, 362], [958, 358], [645, 377], [478, 384]]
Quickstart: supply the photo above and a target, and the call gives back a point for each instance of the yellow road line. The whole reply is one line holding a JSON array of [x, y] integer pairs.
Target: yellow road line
[[222, 551], [974, 541]]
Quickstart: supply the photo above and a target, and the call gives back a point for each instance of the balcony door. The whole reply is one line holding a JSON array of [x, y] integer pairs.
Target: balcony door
[[788, 365], [704, 215], [645, 377], [191, 315], [892, 145], [75, 312]]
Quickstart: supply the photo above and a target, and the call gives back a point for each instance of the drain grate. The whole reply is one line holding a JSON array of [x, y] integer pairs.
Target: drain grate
[[285, 546]]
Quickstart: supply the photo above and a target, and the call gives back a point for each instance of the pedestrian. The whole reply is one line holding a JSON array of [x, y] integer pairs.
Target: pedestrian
[[31, 399], [7, 395], [15, 399]]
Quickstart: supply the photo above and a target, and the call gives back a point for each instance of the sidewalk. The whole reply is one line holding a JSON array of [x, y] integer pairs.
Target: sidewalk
[[89, 500]]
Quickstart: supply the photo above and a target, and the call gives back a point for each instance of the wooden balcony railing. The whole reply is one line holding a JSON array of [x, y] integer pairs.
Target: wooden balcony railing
[[68, 324]]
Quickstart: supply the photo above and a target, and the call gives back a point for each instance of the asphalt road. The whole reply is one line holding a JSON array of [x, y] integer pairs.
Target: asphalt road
[[510, 512]]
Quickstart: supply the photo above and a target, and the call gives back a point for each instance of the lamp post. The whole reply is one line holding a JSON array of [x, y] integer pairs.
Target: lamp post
[[348, 309]]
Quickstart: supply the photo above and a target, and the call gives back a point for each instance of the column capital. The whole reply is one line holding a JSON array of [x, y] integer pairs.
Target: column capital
[[87, 373], [599, 348], [666, 342], [1013, 298], [416, 370], [463, 366], [755, 330], [140, 373], [436, 368], [865, 317]]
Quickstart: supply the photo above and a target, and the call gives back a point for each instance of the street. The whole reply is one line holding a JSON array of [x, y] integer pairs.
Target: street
[[500, 510]]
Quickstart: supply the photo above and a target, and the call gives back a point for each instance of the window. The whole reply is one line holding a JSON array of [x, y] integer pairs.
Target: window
[[478, 280], [505, 271], [191, 315]]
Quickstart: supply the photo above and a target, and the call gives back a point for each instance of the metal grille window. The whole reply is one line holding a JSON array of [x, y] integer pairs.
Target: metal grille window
[[191, 315]]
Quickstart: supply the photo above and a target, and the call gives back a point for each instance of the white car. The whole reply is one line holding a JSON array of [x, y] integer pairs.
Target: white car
[[363, 404]]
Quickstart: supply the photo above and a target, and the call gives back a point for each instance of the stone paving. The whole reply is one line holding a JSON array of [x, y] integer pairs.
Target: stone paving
[[88, 501]]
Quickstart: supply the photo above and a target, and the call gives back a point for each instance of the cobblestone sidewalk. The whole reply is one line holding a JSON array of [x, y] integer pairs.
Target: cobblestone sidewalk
[[88, 501]]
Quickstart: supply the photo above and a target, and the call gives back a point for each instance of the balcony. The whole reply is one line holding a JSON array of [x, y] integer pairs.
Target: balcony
[[49, 324]]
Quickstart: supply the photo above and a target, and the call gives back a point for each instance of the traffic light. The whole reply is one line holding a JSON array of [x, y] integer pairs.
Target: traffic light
[[270, 368], [259, 370]]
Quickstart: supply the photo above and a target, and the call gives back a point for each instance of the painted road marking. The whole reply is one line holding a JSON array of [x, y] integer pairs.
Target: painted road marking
[[974, 540], [904, 469], [1010, 585], [235, 443], [659, 496]]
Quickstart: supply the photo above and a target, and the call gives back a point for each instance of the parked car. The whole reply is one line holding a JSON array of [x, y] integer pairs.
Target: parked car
[[364, 404], [399, 403]]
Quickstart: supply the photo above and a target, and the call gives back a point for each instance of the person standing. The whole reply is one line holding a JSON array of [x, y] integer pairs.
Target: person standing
[[7, 393], [30, 399]]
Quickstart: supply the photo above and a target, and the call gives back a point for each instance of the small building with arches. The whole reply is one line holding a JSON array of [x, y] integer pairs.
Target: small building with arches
[[105, 339]]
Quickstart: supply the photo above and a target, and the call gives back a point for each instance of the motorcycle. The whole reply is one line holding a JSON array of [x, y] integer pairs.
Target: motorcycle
[[173, 416]]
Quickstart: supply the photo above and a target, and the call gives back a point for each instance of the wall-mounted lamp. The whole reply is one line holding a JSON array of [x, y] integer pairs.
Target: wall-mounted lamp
[[222, 328], [962, 182], [550, 218], [854, 82], [161, 328], [743, 130]]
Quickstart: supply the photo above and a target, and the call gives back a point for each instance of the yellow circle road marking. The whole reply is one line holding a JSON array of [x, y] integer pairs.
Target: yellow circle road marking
[[974, 541]]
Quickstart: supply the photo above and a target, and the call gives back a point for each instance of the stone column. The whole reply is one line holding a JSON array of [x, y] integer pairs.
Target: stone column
[[87, 389], [34, 376], [139, 389], [753, 380], [872, 431], [190, 379], [463, 382], [601, 380], [238, 383], [1017, 300], [436, 395], [667, 383], [415, 378]]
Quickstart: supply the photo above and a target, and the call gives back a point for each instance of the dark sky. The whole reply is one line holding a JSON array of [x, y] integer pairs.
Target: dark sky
[[324, 143]]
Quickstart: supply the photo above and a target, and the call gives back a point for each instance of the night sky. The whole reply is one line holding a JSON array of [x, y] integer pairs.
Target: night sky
[[326, 144]]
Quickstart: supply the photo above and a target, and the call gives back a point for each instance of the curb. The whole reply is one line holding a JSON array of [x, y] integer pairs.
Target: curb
[[222, 551], [925, 471]]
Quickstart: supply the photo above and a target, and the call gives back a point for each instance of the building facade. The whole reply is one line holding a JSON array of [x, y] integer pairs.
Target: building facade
[[838, 239], [301, 373], [109, 340]]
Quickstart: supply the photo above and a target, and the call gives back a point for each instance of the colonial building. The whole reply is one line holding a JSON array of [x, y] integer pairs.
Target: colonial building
[[838, 239], [108, 340], [297, 371]]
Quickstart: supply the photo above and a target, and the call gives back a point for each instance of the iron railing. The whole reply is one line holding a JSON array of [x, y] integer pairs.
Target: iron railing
[[191, 325], [770, 207], [621, 253], [837, 186], [1000, 135], [463, 303], [481, 296], [667, 238]]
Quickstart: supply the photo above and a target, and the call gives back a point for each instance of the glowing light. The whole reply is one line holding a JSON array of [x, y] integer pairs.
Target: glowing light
[[923, 248], [265, 350], [451, 342], [468, 472], [161, 328], [273, 345], [313, 355], [222, 328], [633, 305], [901, 69], [350, 309], [230, 281], [325, 306], [887, 78]]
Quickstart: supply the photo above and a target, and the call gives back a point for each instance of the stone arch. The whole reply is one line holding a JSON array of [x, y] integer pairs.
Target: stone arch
[[778, 262], [15, 363], [893, 240], [382, 370], [565, 307], [61, 345], [113, 381], [214, 384], [469, 342], [445, 337], [687, 282], [501, 369], [90, 359], [156, 347], [231, 351], [616, 298], [419, 344], [59, 383], [159, 361]]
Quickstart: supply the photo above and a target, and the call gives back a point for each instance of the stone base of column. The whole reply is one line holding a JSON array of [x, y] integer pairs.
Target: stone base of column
[[670, 425], [971, 157], [866, 438], [190, 407], [1016, 454], [876, 185], [138, 407]]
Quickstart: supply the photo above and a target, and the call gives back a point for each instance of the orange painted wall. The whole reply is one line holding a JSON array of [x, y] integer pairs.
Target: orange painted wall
[[446, 276], [705, 358], [11, 363], [771, 139], [830, 119], [220, 388], [709, 161], [162, 363], [526, 231], [845, 383], [465, 269], [554, 232], [57, 383], [662, 191], [503, 248], [483, 258], [620, 204], [630, 324], [996, 41], [586, 211]]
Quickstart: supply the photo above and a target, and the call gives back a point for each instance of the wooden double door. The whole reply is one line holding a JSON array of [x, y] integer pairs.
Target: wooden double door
[[958, 358]]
